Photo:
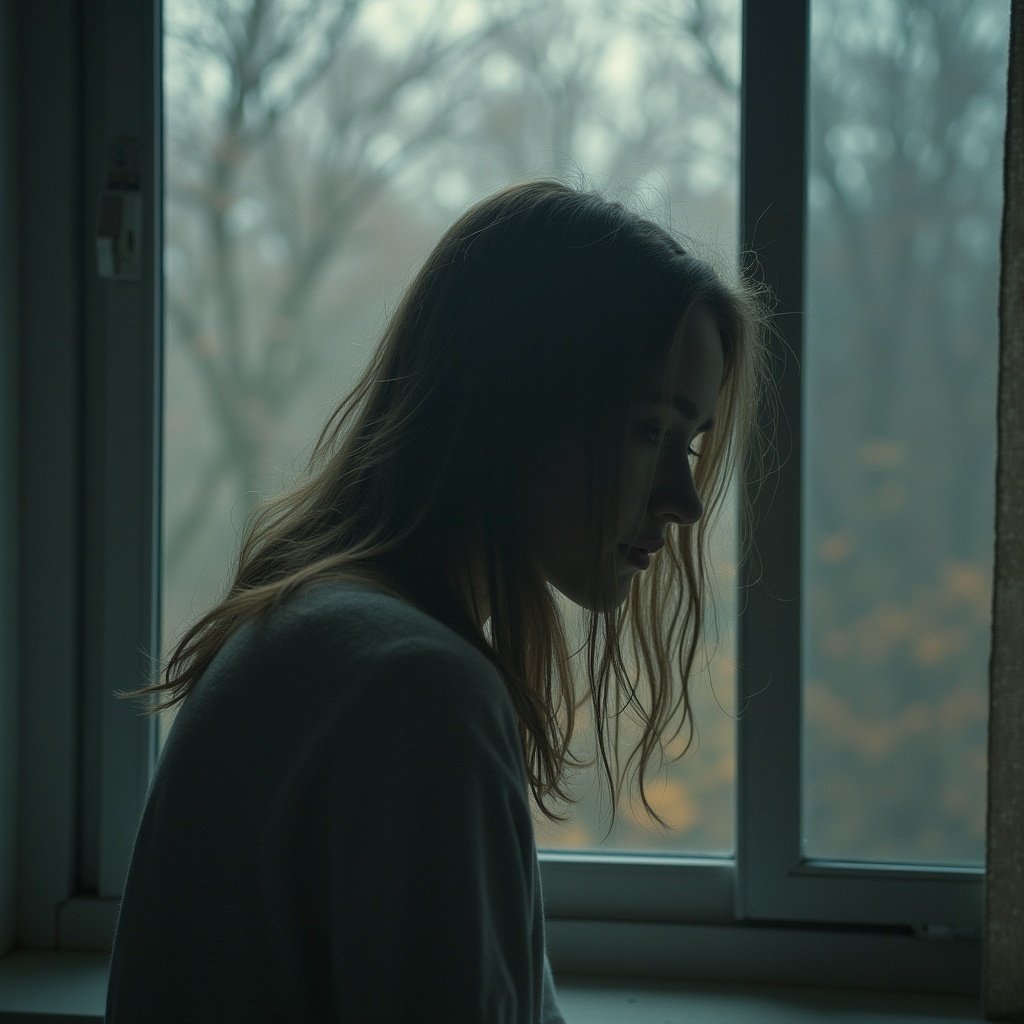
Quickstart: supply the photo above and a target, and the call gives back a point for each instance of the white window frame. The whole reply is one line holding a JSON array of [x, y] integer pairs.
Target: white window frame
[[88, 536]]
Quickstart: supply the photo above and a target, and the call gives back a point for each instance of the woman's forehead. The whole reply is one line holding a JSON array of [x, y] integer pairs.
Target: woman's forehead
[[691, 375]]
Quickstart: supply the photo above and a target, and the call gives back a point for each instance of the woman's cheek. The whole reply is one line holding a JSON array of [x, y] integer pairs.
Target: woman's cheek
[[636, 485]]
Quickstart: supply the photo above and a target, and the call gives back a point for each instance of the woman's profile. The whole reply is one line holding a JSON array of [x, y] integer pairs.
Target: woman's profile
[[339, 827]]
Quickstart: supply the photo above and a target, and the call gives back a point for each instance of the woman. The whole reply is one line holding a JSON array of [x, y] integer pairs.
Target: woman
[[339, 827]]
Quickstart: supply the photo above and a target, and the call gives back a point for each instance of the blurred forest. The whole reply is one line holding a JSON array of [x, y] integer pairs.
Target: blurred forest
[[907, 119], [315, 149]]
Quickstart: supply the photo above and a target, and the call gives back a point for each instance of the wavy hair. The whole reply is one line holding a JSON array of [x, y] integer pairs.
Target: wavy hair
[[541, 310]]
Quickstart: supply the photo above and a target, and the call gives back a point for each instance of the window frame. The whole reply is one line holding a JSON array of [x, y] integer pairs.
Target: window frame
[[775, 880], [89, 600], [121, 431], [88, 449], [46, 339]]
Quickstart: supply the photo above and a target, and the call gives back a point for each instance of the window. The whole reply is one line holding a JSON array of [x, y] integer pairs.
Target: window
[[787, 870], [306, 183], [903, 221], [790, 895]]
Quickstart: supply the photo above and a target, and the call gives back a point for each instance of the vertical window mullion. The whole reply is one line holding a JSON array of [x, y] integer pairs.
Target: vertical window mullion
[[121, 602], [772, 217]]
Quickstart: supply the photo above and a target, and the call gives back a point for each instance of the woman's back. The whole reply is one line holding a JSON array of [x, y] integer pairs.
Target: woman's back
[[343, 800]]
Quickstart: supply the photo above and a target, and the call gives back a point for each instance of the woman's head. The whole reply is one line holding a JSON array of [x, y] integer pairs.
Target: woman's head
[[525, 423], [540, 320]]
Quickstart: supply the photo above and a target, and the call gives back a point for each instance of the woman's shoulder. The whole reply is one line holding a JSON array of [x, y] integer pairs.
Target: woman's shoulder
[[368, 622], [350, 633]]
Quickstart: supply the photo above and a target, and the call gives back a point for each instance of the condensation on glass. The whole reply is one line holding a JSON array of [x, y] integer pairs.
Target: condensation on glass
[[905, 144]]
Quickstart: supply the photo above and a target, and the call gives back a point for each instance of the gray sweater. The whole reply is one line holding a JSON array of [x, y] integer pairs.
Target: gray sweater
[[338, 830]]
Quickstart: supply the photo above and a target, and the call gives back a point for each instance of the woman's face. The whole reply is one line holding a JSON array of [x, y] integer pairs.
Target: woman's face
[[657, 490]]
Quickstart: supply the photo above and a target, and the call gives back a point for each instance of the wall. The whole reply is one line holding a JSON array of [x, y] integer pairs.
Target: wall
[[8, 474]]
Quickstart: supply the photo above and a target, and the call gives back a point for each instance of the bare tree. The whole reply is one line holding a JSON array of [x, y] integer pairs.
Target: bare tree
[[248, 155]]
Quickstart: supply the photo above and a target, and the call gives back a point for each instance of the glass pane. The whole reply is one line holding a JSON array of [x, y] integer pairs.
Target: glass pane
[[906, 122], [315, 151]]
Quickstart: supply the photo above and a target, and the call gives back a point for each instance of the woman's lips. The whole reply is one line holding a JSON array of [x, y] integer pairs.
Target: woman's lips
[[637, 556]]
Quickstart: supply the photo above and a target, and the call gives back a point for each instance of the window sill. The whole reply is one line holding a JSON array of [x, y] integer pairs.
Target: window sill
[[70, 988], [52, 988], [613, 1001], [771, 955]]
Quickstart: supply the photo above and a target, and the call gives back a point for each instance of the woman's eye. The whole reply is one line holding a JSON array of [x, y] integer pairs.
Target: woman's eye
[[657, 433], [696, 448]]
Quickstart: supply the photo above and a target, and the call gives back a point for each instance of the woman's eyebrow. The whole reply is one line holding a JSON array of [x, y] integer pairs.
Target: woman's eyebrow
[[685, 406]]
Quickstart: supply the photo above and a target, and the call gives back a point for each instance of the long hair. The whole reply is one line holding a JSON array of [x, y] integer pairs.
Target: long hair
[[539, 311]]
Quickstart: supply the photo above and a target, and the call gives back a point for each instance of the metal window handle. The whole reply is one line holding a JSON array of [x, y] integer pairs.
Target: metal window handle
[[119, 218], [117, 235]]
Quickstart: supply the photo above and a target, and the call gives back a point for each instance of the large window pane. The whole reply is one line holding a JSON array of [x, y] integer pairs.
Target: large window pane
[[907, 109], [315, 151]]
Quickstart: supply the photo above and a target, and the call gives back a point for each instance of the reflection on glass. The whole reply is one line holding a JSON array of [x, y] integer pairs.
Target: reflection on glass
[[316, 150], [899, 373]]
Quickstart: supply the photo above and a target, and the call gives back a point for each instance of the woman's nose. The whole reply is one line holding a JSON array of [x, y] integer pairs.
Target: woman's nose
[[676, 499]]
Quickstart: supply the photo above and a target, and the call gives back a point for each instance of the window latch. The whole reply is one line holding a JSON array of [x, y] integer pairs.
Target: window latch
[[119, 218]]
